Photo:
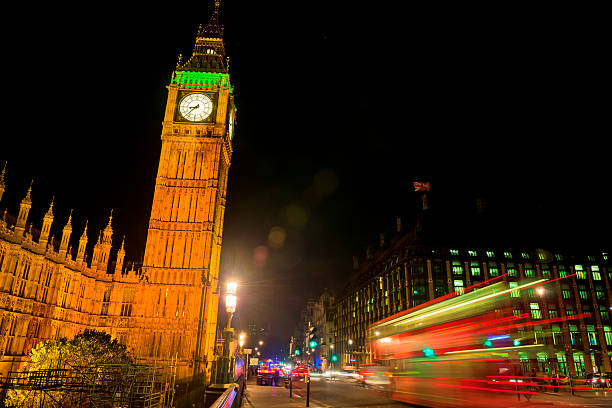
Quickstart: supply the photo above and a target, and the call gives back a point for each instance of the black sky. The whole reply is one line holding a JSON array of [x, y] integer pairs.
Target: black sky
[[340, 108]]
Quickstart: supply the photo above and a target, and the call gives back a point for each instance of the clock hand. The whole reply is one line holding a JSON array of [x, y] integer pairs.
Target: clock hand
[[194, 107]]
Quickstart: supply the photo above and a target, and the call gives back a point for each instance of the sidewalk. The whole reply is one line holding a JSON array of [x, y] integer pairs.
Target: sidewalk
[[266, 396], [594, 398]]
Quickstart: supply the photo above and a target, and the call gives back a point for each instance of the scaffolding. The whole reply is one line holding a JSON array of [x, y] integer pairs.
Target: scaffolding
[[128, 385]]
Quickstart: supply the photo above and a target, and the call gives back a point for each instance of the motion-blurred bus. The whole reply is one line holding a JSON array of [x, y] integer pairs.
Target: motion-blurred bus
[[460, 351]]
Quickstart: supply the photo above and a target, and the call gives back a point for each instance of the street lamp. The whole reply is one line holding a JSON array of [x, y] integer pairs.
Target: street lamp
[[225, 365], [241, 339], [261, 342], [230, 301]]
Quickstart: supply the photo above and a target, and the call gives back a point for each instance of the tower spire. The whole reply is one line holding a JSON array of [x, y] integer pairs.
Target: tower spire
[[209, 50]]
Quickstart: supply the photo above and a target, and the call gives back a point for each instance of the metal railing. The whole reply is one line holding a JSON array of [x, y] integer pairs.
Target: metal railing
[[227, 398]]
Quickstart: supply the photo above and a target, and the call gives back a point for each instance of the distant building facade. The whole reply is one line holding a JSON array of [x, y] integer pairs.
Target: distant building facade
[[318, 314], [407, 274], [166, 310]]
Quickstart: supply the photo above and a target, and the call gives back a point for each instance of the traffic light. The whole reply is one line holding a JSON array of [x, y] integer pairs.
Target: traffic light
[[334, 358], [296, 352], [311, 336], [516, 342]]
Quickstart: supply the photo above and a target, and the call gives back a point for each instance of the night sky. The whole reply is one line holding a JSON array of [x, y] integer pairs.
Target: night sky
[[340, 109]]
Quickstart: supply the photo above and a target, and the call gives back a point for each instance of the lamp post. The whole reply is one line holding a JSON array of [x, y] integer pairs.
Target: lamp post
[[225, 368]]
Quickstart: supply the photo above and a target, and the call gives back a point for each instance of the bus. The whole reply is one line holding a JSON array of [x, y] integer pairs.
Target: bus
[[459, 351]]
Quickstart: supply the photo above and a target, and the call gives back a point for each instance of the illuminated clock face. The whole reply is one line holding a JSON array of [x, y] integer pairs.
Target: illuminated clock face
[[195, 107]]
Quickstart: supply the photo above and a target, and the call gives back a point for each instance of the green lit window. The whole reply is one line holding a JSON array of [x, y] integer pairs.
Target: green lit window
[[583, 292], [546, 272], [559, 257], [517, 312], [608, 335], [535, 311], [457, 268], [580, 274], [472, 253], [574, 334], [603, 312], [591, 335], [507, 254], [529, 272], [604, 255], [458, 285], [493, 269], [514, 293], [557, 335], [541, 256], [566, 292], [552, 313], [490, 254], [562, 271], [595, 272], [524, 255], [454, 252], [599, 292], [511, 269], [569, 310], [474, 268]]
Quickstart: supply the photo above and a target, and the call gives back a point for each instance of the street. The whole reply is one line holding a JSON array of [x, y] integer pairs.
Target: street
[[342, 393], [346, 393]]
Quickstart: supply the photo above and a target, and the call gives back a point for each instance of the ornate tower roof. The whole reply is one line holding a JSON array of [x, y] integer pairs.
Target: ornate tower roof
[[209, 51]]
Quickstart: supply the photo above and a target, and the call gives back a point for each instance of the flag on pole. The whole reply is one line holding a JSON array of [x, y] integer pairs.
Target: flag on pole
[[419, 186]]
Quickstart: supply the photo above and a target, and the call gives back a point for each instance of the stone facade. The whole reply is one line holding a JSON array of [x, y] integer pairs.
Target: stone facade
[[167, 308]]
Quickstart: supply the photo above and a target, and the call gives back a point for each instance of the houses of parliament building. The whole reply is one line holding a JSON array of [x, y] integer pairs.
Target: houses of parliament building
[[166, 309]]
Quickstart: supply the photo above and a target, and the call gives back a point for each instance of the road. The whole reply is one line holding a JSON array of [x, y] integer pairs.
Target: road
[[324, 393], [346, 393]]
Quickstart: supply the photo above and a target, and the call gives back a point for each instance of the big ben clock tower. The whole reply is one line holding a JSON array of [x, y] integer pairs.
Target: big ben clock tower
[[182, 253]]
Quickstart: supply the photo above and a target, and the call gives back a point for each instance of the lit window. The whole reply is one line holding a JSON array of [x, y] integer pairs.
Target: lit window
[[535, 311], [525, 255], [566, 292], [559, 257], [458, 285], [608, 335], [595, 272], [493, 270], [562, 271], [511, 269], [454, 252], [591, 335], [475, 269], [507, 254], [457, 268], [557, 335], [514, 293], [490, 254], [472, 253], [529, 272], [546, 272], [579, 272]]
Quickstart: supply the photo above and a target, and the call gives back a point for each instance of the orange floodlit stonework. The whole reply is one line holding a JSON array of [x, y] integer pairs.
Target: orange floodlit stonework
[[166, 308]]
